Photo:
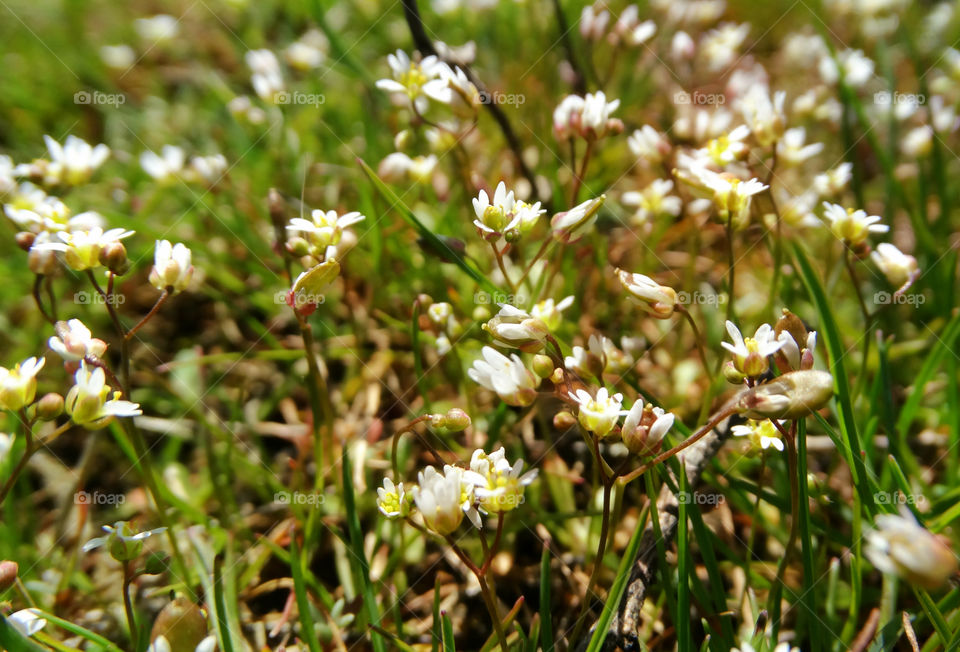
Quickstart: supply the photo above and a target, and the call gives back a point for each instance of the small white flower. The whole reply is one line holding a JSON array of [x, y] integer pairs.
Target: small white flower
[[649, 145], [659, 300], [81, 249], [791, 149], [414, 80], [74, 341], [593, 22], [516, 327], [166, 166], [763, 115], [588, 117], [162, 27], [27, 621], [918, 142], [598, 415], [209, 169], [852, 226], [75, 161], [898, 267], [750, 354], [630, 30], [653, 201], [645, 427], [834, 181], [550, 313], [497, 484], [266, 78], [731, 196], [161, 644], [172, 267], [901, 546], [762, 434], [512, 382], [392, 500], [728, 147], [443, 499], [325, 228], [87, 402], [856, 67], [569, 226], [18, 386], [118, 57], [719, 46]]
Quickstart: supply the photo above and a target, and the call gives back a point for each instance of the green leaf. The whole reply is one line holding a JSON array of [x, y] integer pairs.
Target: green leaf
[[447, 626], [307, 628], [546, 615]]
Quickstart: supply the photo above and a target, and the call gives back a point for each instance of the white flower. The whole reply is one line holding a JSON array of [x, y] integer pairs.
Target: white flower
[[442, 499], [550, 313], [325, 228], [857, 68], [27, 621], [750, 354], [209, 169], [648, 144], [719, 46], [943, 117], [267, 79], [121, 541], [118, 57], [172, 267], [764, 116], [392, 500], [598, 415], [18, 386], [658, 300], [399, 167], [731, 196], [792, 151], [852, 226], [729, 147], [569, 226], [516, 327], [166, 166], [161, 27], [73, 162], [901, 546], [645, 427], [898, 267], [629, 28], [589, 362], [588, 117], [74, 342], [512, 382], [653, 201], [6, 445], [497, 484], [308, 52], [791, 352], [504, 213], [917, 142], [762, 434], [81, 249], [87, 402], [8, 184], [593, 22], [832, 182], [413, 79]]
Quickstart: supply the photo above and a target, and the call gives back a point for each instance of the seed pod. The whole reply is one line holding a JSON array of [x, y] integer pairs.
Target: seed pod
[[182, 623], [8, 574], [791, 396]]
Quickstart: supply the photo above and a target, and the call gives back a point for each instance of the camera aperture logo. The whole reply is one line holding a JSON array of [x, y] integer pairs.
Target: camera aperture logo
[[299, 498], [98, 498]]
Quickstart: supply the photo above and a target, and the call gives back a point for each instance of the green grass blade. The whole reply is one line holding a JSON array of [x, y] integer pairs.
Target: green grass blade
[[226, 636], [308, 630], [435, 243], [13, 641], [448, 639], [684, 635], [546, 615], [809, 597]]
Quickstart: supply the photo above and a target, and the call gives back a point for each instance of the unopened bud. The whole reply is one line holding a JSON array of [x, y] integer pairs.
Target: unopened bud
[[8, 574], [564, 420], [25, 240], [542, 365], [791, 396], [732, 374], [182, 623], [298, 246], [49, 407], [42, 262], [456, 419], [113, 256], [557, 376], [791, 323]]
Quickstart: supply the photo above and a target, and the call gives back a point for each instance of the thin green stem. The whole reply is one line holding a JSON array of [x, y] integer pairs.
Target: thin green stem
[[128, 603], [153, 311]]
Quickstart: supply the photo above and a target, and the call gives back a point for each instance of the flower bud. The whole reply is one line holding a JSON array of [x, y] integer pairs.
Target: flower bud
[[49, 407], [25, 240], [732, 374], [8, 574], [564, 420], [182, 623], [791, 396], [298, 246], [113, 256], [542, 365], [42, 262], [456, 419]]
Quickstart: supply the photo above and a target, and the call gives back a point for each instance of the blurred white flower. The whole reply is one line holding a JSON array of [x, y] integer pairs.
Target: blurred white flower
[[588, 117], [119, 57], [629, 30], [898, 267], [166, 166], [761, 434], [653, 201], [593, 21], [763, 115], [75, 161], [325, 228], [791, 149], [550, 313], [172, 267], [209, 169], [852, 226], [266, 78], [161, 27], [569, 226], [416, 80], [719, 47], [857, 68], [659, 300], [648, 145], [901, 546]]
